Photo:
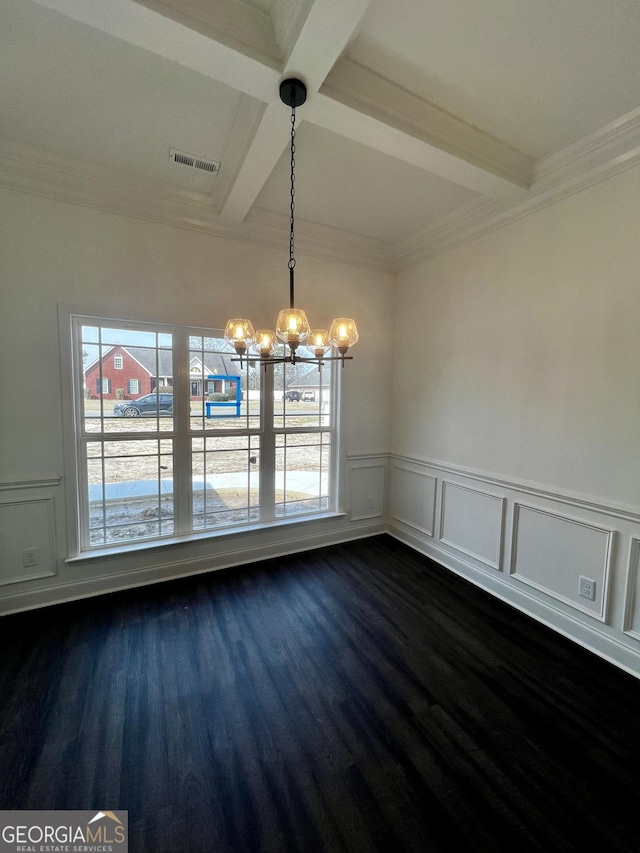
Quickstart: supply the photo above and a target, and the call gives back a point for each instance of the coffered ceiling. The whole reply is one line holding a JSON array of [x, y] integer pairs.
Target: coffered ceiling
[[426, 119]]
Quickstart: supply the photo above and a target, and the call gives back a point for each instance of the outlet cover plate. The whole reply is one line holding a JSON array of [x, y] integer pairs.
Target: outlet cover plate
[[587, 588], [30, 557]]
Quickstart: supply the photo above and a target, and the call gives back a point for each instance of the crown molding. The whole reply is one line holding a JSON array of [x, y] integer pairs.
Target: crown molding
[[598, 156], [447, 233], [43, 173], [53, 176], [612, 140], [323, 241]]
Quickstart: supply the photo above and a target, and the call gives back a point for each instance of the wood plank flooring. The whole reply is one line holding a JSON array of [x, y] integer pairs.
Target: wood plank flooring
[[353, 698]]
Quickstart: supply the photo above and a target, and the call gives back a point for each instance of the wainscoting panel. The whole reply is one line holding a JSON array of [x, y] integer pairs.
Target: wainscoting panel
[[543, 539], [367, 482], [551, 552], [472, 522], [413, 497], [631, 625], [26, 525]]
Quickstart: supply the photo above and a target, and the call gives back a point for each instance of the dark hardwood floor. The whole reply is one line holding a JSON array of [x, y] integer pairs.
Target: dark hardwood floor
[[356, 698]]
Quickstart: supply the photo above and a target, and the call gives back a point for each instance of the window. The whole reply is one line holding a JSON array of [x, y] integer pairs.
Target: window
[[231, 449], [117, 362]]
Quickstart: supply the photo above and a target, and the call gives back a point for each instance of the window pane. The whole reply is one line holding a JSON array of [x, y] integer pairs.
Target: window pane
[[302, 473], [302, 396], [125, 376], [129, 490], [226, 480], [222, 393]]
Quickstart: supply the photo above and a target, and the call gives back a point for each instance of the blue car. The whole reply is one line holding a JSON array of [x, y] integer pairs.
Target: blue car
[[150, 404]]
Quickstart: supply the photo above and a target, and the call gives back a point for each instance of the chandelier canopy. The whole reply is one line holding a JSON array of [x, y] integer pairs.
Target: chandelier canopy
[[292, 328]]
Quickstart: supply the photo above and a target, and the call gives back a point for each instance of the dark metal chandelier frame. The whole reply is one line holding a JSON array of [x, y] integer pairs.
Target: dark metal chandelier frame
[[293, 327]]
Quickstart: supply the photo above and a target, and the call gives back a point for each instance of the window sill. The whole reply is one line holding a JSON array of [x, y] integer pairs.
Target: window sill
[[137, 547]]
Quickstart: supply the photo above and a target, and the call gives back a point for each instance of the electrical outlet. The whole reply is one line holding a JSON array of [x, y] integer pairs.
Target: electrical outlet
[[587, 588], [30, 557]]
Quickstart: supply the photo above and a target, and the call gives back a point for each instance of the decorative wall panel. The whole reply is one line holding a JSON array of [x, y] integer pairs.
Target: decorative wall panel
[[413, 497], [367, 479], [472, 522], [632, 599], [551, 552], [26, 526]]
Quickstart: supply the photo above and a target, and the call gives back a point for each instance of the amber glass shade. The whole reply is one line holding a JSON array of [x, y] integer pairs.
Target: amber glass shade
[[240, 334], [265, 342], [318, 342], [292, 327], [343, 334]]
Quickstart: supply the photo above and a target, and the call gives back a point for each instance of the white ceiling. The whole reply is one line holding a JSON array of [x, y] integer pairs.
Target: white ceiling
[[537, 74], [418, 110], [334, 187], [73, 90]]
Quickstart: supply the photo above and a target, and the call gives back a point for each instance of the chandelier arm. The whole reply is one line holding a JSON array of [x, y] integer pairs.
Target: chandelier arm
[[291, 360]]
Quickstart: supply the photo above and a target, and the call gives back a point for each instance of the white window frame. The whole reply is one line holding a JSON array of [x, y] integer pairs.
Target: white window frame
[[71, 320], [118, 362]]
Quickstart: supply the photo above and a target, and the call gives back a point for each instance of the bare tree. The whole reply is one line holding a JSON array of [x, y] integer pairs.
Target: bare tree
[[209, 344]]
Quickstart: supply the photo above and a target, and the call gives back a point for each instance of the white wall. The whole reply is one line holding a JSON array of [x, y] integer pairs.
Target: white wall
[[522, 388], [526, 360], [58, 253]]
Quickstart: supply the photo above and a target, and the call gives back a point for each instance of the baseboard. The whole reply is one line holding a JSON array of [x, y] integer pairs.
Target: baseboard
[[61, 593]]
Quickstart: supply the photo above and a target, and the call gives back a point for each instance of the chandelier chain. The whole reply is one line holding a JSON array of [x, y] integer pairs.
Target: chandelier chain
[[292, 260]]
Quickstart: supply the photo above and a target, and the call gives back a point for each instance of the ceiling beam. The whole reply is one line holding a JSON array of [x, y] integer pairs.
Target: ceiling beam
[[383, 137], [287, 17], [344, 97], [320, 42], [325, 33], [262, 155], [363, 105], [246, 122]]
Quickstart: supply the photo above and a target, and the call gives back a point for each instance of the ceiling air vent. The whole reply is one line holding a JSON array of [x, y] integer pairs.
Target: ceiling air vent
[[193, 162]]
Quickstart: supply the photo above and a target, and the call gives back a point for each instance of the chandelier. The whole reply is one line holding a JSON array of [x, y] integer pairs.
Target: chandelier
[[305, 345]]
